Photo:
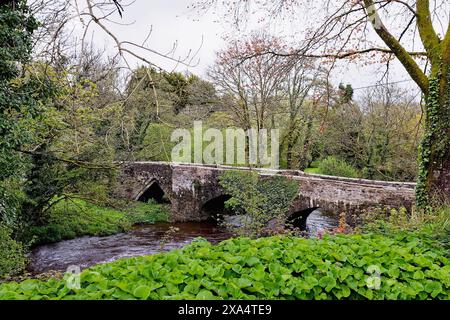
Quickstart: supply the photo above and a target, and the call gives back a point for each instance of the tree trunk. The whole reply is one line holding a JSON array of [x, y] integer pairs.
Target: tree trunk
[[433, 185], [440, 180]]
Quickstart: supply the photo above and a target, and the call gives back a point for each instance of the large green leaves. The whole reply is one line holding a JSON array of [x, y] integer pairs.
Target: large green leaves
[[266, 268], [142, 292]]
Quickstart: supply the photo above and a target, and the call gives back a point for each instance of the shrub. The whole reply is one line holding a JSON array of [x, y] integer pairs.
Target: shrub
[[261, 199], [12, 254], [337, 167], [335, 267], [431, 223]]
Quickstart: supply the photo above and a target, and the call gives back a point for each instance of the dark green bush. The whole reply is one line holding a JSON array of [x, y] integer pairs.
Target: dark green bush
[[12, 254], [335, 267], [260, 199], [336, 167]]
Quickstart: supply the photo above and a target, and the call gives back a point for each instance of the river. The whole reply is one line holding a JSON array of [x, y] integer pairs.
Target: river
[[141, 240]]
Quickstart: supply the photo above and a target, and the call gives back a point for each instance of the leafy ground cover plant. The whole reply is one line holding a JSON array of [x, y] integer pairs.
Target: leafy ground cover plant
[[280, 267]]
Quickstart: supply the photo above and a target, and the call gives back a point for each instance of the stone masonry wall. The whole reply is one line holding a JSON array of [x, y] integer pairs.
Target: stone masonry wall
[[190, 186]]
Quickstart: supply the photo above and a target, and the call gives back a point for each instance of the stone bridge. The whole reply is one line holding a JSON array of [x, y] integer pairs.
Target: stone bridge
[[195, 194]]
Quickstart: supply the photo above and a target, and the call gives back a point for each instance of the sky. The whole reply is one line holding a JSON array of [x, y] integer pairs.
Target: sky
[[173, 23]]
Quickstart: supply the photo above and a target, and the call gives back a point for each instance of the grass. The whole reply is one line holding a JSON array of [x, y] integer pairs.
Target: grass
[[71, 218], [144, 213], [313, 170]]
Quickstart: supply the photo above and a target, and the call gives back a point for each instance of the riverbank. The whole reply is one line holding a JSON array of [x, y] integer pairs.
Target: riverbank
[[141, 240], [72, 218], [69, 219], [400, 256], [358, 266]]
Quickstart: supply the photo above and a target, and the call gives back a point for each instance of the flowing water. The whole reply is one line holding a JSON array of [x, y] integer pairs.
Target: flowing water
[[141, 240], [318, 222]]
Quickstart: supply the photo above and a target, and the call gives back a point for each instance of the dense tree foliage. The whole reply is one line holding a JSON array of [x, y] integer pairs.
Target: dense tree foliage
[[17, 106], [16, 102]]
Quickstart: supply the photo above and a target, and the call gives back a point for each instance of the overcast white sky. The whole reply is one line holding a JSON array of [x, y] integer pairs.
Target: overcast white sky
[[173, 22]]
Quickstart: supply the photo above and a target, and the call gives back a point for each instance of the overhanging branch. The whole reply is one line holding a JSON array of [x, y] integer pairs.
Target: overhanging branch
[[400, 52]]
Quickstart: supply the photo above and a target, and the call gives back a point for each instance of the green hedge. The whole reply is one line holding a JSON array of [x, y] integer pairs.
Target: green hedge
[[335, 267]]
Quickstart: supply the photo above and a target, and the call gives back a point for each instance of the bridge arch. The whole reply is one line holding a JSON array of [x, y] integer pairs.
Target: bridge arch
[[298, 218], [153, 190], [214, 208]]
